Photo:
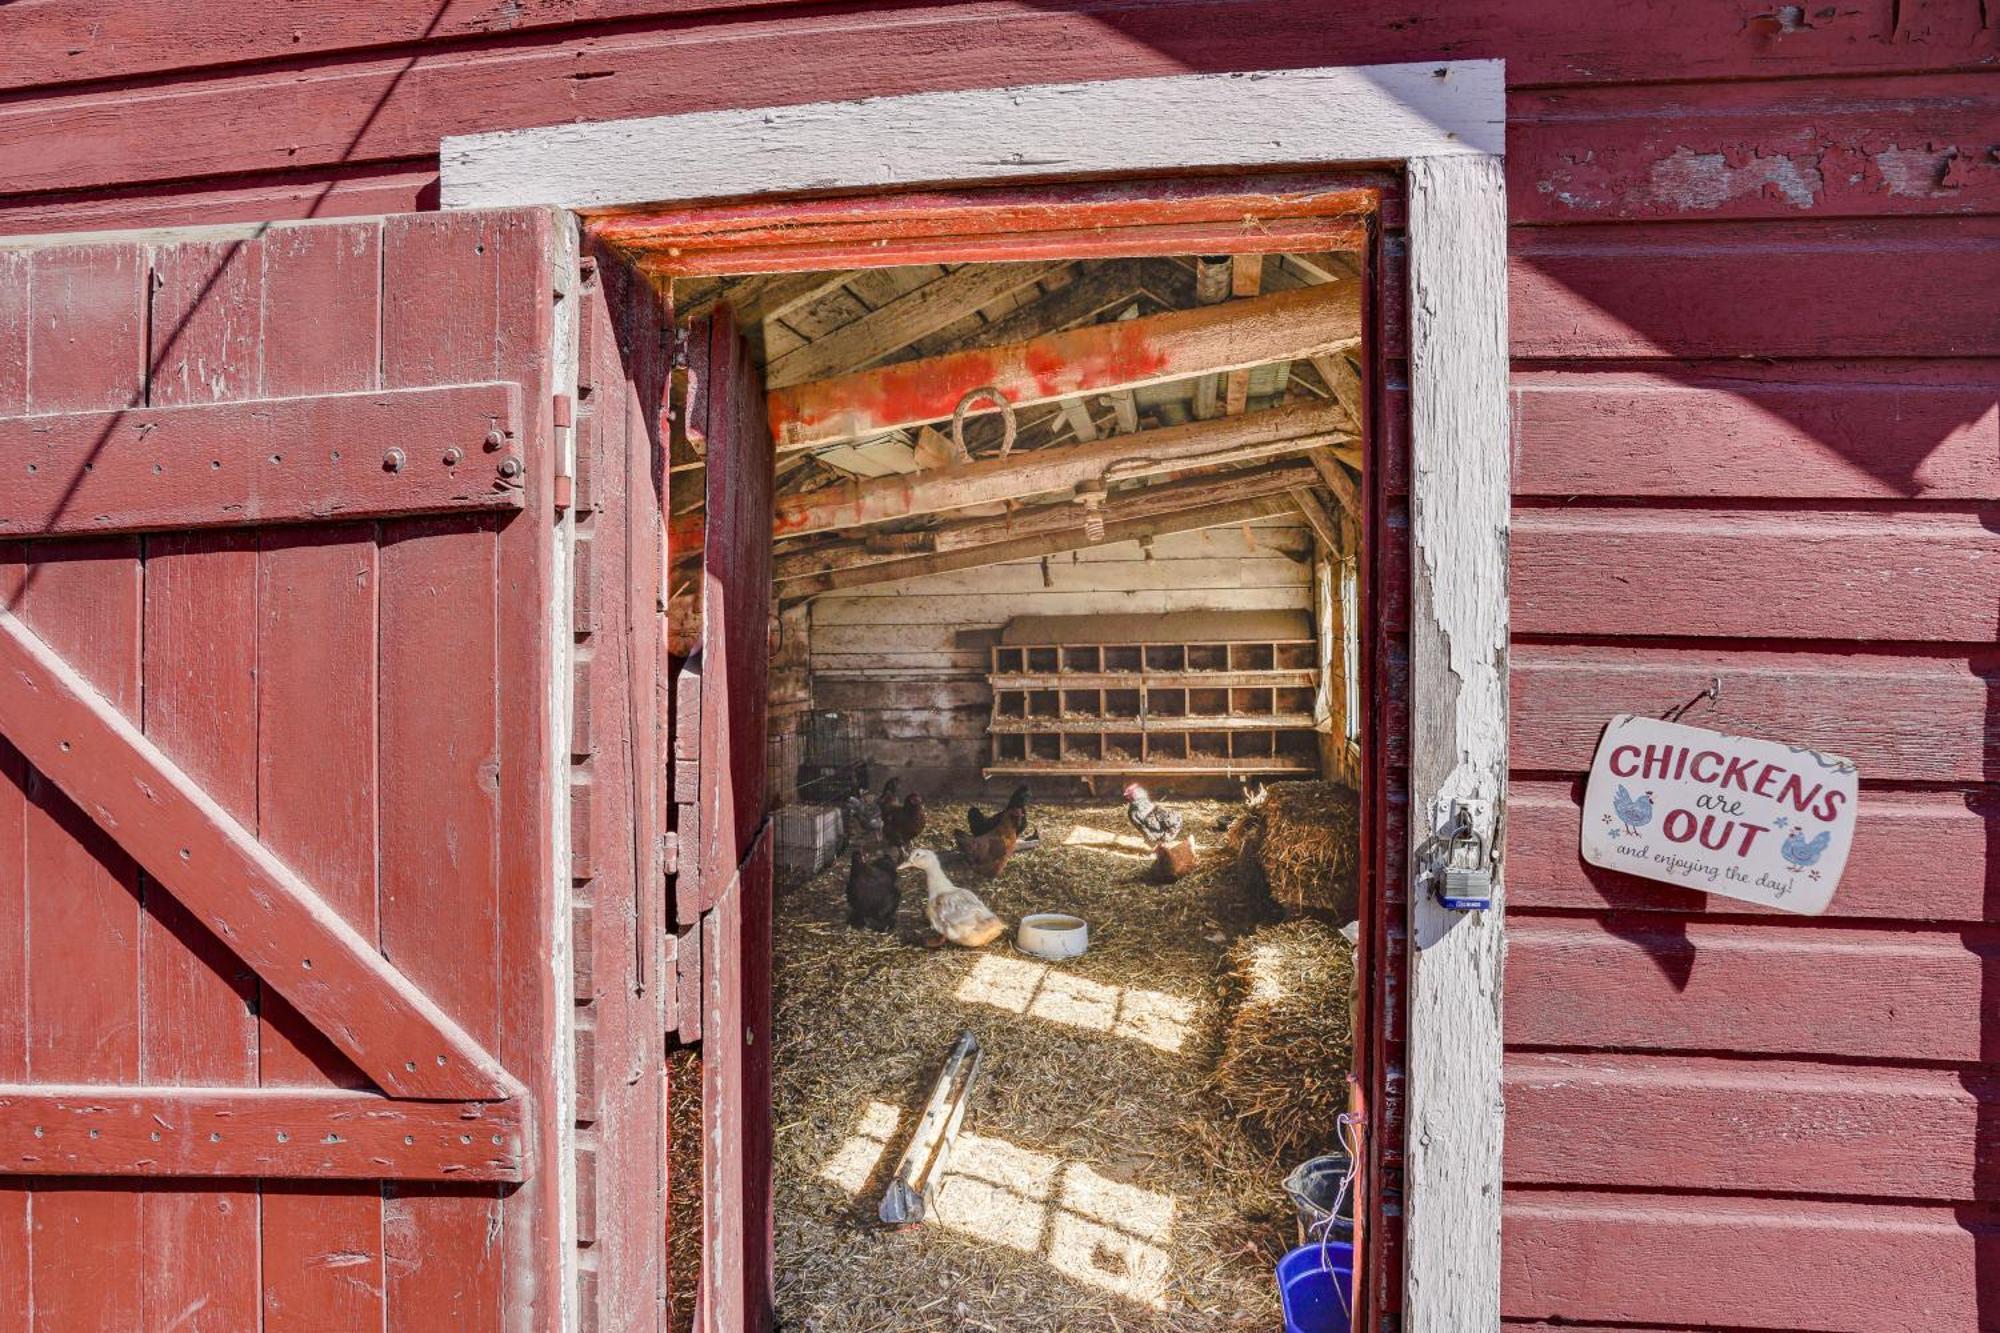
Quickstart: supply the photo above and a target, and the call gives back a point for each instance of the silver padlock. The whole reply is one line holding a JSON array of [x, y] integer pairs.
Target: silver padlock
[[1467, 882]]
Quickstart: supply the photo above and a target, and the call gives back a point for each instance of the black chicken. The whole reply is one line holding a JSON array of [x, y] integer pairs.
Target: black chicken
[[872, 892], [1156, 823], [982, 823]]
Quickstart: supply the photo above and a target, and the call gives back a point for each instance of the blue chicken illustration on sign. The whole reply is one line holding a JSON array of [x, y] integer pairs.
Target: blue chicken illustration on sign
[[1634, 815], [1801, 851]]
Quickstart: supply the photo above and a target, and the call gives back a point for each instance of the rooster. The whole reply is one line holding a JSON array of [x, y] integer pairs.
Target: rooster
[[1156, 823], [1632, 814], [1801, 851], [980, 823], [987, 854]]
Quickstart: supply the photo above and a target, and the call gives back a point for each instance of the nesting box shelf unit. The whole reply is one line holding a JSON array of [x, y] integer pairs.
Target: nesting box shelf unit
[[1226, 693]]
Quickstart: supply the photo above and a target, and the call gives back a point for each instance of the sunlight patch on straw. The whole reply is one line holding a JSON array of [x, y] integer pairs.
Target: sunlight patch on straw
[[855, 1160], [1087, 1226], [1124, 846], [1152, 1017]]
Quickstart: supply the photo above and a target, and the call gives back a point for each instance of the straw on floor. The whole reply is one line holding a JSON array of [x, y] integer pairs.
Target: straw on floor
[[1288, 1042], [1305, 839], [1099, 1182]]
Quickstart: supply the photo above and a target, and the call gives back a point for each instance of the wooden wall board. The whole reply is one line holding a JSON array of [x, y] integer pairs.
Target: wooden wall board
[[1889, 146], [1693, 1122], [1706, 1261]]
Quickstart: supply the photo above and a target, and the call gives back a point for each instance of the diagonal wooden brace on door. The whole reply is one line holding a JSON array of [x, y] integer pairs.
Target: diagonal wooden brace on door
[[256, 905]]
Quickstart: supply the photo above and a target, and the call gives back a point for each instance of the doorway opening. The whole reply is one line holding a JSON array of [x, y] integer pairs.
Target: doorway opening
[[1060, 507]]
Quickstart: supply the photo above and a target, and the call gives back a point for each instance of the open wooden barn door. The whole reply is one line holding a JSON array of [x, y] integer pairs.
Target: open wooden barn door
[[724, 885], [279, 552]]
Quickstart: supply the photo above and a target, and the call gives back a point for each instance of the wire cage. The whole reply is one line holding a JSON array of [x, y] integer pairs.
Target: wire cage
[[833, 766]]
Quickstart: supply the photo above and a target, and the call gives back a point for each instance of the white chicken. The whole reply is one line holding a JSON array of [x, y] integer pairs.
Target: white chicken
[[956, 914]]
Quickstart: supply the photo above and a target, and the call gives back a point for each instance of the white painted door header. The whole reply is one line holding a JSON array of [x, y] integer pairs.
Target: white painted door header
[[1296, 117]]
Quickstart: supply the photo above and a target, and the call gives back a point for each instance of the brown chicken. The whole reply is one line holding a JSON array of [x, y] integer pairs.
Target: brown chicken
[[987, 854], [1172, 860], [902, 823]]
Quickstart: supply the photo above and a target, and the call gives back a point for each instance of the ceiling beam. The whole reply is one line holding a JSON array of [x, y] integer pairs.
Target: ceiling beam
[[1344, 381], [1098, 358], [894, 325], [1223, 514], [1041, 520], [1211, 287], [1293, 428], [1317, 516], [1337, 482], [1246, 278]]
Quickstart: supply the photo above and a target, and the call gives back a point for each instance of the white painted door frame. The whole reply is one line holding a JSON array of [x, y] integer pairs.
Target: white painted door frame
[[1445, 124]]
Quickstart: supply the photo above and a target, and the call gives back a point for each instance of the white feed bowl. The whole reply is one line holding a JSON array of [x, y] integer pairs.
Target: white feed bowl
[[1053, 935]]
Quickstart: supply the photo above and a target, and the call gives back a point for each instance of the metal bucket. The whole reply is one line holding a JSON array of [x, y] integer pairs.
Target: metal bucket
[[1314, 1186]]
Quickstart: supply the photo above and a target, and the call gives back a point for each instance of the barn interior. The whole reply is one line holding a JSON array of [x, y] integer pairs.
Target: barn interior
[[1130, 555]]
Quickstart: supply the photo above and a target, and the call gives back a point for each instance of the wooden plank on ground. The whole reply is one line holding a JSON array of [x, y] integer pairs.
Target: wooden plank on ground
[[236, 1132], [249, 464], [1097, 358]]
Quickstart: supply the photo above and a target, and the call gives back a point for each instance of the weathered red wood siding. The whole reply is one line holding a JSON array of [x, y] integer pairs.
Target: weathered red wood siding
[[1756, 437]]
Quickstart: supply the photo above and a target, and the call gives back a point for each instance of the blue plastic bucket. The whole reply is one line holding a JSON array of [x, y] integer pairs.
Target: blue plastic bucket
[[1313, 1287]]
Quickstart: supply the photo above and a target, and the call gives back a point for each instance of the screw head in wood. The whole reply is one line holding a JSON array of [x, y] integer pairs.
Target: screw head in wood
[[510, 467], [392, 461], [494, 439], [453, 455]]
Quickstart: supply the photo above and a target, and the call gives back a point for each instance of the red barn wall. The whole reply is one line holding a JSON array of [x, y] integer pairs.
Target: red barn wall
[[1755, 253]]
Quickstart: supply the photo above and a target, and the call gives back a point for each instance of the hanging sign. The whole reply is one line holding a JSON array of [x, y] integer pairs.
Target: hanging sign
[[1733, 815]]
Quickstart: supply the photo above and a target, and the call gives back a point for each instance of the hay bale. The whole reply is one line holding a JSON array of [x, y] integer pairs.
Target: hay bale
[[1305, 839], [1288, 1042]]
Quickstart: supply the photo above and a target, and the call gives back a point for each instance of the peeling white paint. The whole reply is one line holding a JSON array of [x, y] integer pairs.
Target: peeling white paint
[[1707, 181], [1913, 173]]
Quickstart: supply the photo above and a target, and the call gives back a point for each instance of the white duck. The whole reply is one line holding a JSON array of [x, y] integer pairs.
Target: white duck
[[955, 913]]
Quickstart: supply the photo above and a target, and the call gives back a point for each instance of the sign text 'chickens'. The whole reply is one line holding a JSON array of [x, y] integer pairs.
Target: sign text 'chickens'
[[1733, 815]]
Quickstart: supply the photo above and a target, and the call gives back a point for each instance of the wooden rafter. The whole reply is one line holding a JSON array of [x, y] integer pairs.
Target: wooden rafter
[[1246, 279], [1343, 381], [888, 328], [1140, 503], [1211, 287], [1294, 428], [1324, 525], [1074, 538], [255, 904], [1098, 358], [1338, 483]]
